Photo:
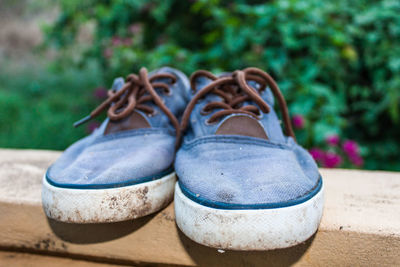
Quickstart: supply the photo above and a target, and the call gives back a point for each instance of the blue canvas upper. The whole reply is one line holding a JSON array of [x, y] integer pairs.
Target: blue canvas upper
[[125, 157], [243, 172]]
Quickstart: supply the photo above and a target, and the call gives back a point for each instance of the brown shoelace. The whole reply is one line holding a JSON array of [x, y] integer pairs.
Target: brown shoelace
[[234, 91], [137, 90]]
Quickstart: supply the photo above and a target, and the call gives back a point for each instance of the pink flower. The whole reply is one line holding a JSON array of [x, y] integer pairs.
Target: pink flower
[[317, 154], [92, 126], [100, 93], [107, 53], [357, 160], [298, 121], [115, 41], [135, 28], [332, 160], [351, 148], [332, 140]]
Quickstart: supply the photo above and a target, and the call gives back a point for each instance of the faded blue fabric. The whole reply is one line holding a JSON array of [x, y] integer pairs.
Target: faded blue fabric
[[128, 156], [240, 170]]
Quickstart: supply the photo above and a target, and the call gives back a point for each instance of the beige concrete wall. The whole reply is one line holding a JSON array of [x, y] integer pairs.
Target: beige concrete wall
[[8, 258], [360, 226]]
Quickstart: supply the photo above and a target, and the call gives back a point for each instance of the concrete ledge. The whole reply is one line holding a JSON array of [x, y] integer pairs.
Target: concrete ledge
[[8, 258], [360, 226]]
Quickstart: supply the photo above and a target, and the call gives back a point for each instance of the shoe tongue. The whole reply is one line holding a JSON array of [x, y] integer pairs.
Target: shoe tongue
[[268, 127], [118, 83], [240, 124], [267, 95], [136, 120], [269, 122]]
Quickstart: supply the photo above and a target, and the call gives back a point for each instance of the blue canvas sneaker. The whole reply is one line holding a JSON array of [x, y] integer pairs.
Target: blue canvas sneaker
[[242, 183], [123, 170]]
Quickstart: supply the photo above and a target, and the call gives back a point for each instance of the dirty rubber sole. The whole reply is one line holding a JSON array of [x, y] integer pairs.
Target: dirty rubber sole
[[249, 229], [107, 205]]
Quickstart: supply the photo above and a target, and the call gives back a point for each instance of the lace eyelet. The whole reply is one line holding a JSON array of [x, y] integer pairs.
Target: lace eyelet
[[154, 113], [169, 93], [208, 123], [204, 112]]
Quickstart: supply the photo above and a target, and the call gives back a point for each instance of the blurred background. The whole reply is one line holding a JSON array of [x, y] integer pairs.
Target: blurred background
[[336, 62]]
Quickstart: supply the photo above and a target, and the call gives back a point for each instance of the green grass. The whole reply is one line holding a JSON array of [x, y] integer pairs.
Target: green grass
[[39, 105]]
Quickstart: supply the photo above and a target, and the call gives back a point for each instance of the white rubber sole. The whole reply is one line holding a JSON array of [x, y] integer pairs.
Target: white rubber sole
[[107, 205], [256, 229]]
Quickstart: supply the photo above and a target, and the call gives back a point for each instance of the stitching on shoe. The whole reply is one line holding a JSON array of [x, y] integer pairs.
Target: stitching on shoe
[[130, 133], [235, 140]]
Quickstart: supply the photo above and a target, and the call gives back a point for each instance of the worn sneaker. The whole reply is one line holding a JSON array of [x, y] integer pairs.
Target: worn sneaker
[[242, 183], [123, 170]]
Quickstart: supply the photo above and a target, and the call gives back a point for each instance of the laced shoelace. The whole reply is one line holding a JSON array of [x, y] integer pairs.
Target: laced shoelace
[[137, 90], [234, 91]]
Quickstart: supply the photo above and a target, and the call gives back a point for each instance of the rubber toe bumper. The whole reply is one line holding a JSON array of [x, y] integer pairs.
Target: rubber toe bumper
[[248, 229], [107, 205]]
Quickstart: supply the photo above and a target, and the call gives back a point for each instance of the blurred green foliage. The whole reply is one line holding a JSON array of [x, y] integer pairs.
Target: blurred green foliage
[[337, 62], [39, 106]]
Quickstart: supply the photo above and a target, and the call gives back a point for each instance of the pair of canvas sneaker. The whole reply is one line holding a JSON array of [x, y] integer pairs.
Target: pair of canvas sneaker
[[242, 183]]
